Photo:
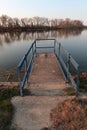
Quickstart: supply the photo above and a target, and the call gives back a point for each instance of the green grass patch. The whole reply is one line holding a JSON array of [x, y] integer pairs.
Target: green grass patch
[[6, 108], [71, 93], [83, 85]]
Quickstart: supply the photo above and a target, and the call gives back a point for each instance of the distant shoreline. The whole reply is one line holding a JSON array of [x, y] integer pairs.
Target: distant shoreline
[[38, 29], [8, 24]]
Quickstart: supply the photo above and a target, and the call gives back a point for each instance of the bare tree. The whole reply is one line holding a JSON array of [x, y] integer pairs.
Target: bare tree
[[8, 22]]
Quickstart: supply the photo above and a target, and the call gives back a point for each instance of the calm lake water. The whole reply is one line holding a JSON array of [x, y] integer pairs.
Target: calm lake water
[[14, 45]]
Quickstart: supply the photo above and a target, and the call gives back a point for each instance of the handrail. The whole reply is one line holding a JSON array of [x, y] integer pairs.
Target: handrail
[[52, 39], [28, 65], [76, 65], [65, 67], [72, 59]]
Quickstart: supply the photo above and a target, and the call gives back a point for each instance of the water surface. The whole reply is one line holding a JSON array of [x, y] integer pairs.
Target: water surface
[[14, 45]]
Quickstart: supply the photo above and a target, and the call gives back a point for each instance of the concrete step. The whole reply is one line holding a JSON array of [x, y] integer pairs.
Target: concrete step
[[47, 89]]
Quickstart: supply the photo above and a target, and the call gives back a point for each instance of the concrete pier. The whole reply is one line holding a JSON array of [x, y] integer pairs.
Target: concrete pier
[[46, 86]]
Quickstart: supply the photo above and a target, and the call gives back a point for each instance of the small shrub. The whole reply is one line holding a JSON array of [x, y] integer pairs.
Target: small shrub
[[6, 108]]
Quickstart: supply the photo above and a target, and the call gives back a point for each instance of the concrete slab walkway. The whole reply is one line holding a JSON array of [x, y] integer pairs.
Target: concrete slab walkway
[[46, 85]]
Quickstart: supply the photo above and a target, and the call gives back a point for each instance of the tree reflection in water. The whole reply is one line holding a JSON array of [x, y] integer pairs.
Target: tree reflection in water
[[20, 36], [10, 38]]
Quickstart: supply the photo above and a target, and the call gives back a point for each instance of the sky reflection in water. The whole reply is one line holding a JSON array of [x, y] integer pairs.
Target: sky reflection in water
[[14, 45]]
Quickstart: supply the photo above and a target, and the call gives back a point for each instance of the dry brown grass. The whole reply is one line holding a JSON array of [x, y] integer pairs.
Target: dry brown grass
[[70, 115]]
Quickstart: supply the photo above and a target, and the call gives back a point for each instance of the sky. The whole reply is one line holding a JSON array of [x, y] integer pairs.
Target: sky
[[73, 9]]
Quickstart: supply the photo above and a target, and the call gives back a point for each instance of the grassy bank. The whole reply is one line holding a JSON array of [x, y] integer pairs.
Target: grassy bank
[[83, 82], [6, 108]]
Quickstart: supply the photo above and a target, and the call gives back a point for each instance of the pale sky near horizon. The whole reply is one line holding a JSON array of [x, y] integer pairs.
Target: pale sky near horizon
[[73, 9]]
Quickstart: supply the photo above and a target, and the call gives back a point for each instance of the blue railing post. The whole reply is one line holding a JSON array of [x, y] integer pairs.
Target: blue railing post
[[54, 46], [78, 81], [68, 67], [21, 92], [35, 47], [59, 49], [26, 64], [32, 52], [19, 78]]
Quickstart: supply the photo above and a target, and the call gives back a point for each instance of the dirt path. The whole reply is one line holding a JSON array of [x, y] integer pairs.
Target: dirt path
[[46, 85]]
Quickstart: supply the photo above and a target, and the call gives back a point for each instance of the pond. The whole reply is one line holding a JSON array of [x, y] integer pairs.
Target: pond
[[14, 45]]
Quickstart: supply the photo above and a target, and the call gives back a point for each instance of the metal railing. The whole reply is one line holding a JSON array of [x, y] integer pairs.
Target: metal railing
[[25, 65], [69, 67], [26, 62], [67, 63]]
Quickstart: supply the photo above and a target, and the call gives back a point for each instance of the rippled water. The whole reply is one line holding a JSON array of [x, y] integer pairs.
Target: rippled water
[[14, 45]]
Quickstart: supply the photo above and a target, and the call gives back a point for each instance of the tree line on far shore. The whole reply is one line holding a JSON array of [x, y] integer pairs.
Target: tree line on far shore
[[37, 24]]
